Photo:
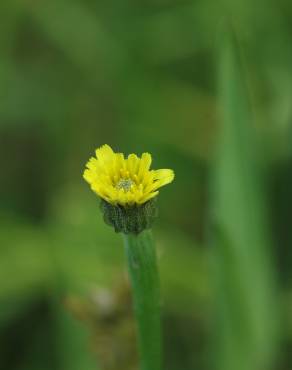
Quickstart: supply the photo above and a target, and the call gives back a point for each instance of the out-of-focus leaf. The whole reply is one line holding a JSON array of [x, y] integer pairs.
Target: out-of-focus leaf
[[244, 278], [73, 343], [175, 33], [28, 96], [78, 34], [183, 285], [172, 113], [25, 267]]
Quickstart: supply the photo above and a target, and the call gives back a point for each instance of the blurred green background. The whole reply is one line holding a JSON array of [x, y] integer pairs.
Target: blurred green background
[[206, 87]]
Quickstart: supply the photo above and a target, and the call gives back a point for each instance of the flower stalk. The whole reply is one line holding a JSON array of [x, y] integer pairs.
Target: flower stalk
[[128, 189], [143, 272]]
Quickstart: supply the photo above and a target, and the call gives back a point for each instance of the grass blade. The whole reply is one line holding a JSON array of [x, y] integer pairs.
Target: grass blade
[[243, 272]]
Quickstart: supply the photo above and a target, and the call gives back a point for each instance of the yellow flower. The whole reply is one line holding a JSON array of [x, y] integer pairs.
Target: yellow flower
[[124, 181]]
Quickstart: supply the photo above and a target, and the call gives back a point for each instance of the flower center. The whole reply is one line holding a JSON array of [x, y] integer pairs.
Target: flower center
[[125, 184]]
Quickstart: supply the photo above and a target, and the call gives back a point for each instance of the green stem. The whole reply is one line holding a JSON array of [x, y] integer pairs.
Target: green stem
[[140, 251]]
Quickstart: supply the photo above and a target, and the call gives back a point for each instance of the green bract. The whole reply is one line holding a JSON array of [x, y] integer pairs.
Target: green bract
[[130, 219]]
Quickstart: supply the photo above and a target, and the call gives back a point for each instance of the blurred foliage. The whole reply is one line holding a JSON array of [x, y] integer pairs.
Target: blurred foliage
[[246, 317], [142, 76]]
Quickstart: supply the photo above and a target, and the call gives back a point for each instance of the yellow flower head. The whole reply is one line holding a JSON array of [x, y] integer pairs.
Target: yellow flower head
[[124, 181]]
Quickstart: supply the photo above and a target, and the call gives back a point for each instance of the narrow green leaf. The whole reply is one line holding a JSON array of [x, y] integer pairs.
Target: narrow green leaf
[[244, 278]]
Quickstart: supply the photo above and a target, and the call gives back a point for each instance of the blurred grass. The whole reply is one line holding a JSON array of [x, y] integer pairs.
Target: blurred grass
[[245, 282]]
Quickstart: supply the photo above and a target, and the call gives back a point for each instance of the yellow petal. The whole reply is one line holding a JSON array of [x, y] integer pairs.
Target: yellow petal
[[105, 159], [145, 164], [147, 197], [119, 164], [87, 176], [164, 176], [105, 152], [161, 178], [148, 178], [92, 164], [132, 164]]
